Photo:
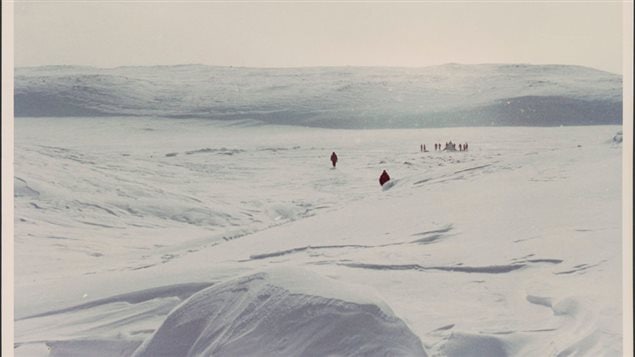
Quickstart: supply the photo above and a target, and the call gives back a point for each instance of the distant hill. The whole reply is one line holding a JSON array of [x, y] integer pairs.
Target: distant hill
[[337, 97]]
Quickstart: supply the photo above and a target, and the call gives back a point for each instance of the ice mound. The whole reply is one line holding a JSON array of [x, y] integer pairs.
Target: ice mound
[[617, 138], [282, 312]]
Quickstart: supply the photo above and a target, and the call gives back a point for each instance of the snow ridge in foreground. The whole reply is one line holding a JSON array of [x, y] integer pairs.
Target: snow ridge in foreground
[[267, 314]]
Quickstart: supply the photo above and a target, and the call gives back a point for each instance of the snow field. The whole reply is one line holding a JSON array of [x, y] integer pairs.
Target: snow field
[[511, 248]]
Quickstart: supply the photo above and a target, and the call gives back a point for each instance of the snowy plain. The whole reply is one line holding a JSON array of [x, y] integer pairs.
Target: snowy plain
[[192, 236]]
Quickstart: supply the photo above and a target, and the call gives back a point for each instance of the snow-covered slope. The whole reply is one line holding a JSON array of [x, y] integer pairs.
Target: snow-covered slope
[[337, 97], [126, 227]]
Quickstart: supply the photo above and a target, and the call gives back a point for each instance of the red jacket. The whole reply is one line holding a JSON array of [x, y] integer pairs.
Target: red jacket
[[384, 178]]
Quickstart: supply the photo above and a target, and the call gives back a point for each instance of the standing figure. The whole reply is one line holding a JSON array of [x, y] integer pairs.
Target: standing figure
[[421, 147], [334, 158], [460, 147], [383, 178], [424, 148]]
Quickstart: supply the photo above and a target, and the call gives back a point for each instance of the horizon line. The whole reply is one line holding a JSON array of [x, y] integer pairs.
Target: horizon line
[[316, 66]]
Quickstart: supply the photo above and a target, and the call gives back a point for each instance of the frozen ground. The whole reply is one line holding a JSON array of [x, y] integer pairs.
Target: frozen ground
[[234, 238]]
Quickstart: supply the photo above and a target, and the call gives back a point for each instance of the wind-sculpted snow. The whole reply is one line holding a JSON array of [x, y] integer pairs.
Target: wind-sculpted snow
[[180, 291], [126, 227], [467, 345], [491, 269], [271, 314], [86, 329], [338, 97], [429, 237]]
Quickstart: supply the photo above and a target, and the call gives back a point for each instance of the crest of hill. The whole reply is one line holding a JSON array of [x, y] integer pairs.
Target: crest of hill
[[339, 97]]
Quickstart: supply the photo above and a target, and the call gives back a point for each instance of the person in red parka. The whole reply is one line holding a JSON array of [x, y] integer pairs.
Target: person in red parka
[[384, 178], [334, 158]]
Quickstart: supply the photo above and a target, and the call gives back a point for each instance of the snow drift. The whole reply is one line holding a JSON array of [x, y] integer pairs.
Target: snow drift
[[336, 97], [282, 313]]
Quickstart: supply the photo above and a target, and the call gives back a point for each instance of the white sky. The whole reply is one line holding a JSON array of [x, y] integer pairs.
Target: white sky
[[283, 34]]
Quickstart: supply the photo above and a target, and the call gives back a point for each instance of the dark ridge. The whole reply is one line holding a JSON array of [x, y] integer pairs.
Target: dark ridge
[[490, 269], [48, 105], [451, 95]]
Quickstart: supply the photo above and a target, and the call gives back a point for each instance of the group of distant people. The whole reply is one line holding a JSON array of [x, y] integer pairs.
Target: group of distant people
[[383, 178], [449, 146]]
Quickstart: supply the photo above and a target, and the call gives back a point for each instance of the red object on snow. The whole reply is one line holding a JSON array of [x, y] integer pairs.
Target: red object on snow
[[334, 158], [384, 178]]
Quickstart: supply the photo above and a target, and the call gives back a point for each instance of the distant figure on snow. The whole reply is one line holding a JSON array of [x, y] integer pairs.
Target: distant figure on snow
[[424, 148], [384, 178], [460, 147], [421, 147], [334, 158]]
